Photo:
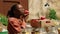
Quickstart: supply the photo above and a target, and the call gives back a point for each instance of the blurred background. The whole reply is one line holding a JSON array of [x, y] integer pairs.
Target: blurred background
[[47, 9]]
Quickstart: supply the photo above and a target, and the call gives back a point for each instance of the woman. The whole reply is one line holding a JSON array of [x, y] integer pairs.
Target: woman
[[16, 19]]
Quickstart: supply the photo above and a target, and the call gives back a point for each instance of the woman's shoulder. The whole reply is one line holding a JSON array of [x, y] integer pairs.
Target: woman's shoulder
[[12, 19]]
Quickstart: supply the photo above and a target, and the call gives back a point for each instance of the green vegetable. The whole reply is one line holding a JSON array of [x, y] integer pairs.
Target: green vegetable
[[3, 20], [52, 14]]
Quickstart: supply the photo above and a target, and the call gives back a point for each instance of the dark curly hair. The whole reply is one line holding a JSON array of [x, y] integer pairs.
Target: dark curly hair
[[11, 11]]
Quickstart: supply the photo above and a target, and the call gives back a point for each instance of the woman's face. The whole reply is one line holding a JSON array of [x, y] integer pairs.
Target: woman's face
[[19, 11], [20, 8]]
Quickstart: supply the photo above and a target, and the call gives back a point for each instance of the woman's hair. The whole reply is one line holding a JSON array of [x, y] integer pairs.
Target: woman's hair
[[11, 11]]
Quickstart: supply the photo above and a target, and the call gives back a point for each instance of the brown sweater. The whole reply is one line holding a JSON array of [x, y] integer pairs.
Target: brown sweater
[[14, 25]]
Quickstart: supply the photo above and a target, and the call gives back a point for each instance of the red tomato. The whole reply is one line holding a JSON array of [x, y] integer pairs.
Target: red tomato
[[42, 18], [35, 23]]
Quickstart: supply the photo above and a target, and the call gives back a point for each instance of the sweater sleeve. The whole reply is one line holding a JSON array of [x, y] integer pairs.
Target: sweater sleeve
[[14, 23]]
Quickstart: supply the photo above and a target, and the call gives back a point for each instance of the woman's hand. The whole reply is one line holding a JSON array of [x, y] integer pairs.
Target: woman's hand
[[23, 25]]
